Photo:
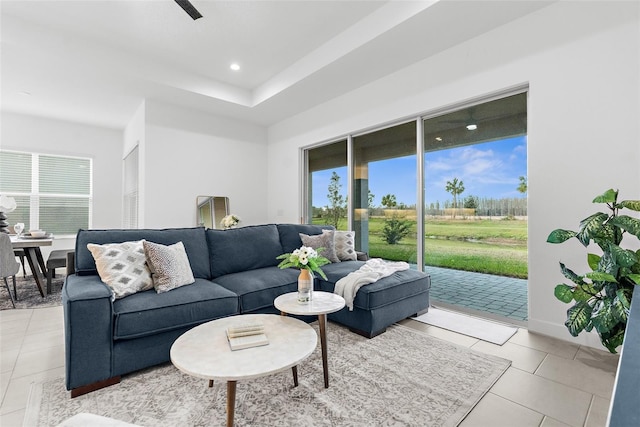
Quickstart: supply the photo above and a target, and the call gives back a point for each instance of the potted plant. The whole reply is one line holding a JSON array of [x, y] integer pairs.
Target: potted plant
[[308, 261], [601, 298]]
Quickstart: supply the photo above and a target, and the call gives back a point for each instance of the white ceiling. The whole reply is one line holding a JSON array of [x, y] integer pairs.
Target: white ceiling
[[95, 61]]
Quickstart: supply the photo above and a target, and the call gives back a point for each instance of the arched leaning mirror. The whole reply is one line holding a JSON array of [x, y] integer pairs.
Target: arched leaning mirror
[[210, 210]]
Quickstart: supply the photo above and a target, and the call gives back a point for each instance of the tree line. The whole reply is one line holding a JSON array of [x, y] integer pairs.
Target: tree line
[[480, 206]]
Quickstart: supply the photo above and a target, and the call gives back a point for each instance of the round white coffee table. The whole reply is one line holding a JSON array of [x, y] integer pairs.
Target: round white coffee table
[[321, 304], [204, 351]]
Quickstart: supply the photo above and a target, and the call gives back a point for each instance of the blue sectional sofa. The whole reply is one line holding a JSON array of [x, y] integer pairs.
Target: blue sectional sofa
[[235, 272]]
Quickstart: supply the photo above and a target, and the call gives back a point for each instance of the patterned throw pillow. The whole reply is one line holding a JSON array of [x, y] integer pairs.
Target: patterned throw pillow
[[169, 266], [345, 245], [122, 266], [324, 240]]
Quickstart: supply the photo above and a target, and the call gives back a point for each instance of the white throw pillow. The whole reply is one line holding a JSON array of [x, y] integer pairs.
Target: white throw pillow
[[122, 266], [169, 266], [345, 245]]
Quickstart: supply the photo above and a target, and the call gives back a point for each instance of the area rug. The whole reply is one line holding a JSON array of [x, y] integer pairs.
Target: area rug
[[402, 377], [485, 330], [29, 295]]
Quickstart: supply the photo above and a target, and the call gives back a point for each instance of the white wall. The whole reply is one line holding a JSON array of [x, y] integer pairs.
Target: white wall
[[581, 61], [134, 135], [190, 153], [103, 145]]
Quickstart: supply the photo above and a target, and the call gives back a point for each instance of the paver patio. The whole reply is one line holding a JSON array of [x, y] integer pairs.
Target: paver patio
[[498, 295]]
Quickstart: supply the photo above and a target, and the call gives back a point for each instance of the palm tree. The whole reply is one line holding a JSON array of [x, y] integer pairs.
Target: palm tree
[[456, 188]]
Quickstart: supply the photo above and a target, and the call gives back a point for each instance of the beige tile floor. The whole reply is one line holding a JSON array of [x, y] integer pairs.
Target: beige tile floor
[[550, 382]]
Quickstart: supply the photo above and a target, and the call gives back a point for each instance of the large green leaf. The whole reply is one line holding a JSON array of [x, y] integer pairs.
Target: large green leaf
[[607, 264], [627, 223], [559, 236], [609, 196], [634, 277], [604, 315], [593, 260], [606, 234], [622, 257], [599, 276], [569, 274], [584, 292], [591, 226], [578, 317], [620, 307], [564, 293], [636, 268], [634, 205], [614, 338], [625, 294]]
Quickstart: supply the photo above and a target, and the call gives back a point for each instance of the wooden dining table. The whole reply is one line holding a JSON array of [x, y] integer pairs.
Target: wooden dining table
[[31, 247]]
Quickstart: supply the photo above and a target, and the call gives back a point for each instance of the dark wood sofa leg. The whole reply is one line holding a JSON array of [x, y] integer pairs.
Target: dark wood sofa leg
[[94, 386]]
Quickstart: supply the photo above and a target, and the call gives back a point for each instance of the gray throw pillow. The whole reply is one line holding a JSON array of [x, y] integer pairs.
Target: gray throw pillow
[[324, 240], [169, 266], [122, 267], [345, 245]]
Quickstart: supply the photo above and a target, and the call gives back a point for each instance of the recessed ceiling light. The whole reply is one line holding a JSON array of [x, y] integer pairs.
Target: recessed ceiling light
[[235, 66], [472, 127], [439, 138]]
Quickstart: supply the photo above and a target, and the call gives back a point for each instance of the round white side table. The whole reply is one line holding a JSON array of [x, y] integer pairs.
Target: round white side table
[[321, 304]]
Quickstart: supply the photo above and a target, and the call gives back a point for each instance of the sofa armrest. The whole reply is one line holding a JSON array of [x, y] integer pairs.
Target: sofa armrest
[[88, 323]]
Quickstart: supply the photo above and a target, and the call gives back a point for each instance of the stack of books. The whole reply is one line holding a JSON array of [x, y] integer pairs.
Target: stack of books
[[246, 335]]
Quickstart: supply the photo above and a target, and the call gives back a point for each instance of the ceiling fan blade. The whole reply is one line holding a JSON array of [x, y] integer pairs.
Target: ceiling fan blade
[[189, 8]]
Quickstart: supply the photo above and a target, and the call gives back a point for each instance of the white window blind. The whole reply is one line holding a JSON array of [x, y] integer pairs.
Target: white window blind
[[130, 202], [53, 193]]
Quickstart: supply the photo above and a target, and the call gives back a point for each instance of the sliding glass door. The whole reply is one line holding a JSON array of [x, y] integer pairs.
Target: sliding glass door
[[445, 192], [475, 207], [326, 184], [384, 192]]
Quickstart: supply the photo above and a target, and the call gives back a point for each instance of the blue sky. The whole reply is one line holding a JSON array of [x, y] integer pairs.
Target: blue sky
[[489, 170]]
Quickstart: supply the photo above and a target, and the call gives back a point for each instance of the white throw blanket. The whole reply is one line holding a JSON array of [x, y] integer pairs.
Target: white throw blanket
[[373, 270]]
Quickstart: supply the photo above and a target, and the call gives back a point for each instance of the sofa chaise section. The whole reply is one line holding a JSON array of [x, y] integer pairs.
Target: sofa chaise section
[[379, 304]]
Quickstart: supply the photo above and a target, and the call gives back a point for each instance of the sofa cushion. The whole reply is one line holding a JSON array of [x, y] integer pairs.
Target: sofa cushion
[[122, 267], [149, 313], [169, 266], [345, 245], [258, 288], [323, 243], [388, 290], [290, 234], [241, 249], [194, 239]]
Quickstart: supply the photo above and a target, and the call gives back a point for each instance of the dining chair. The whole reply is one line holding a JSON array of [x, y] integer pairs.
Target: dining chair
[[8, 264], [21, 254]]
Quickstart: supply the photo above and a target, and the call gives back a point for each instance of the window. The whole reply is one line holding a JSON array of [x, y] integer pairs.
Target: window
[[327, 185], [53, 193]]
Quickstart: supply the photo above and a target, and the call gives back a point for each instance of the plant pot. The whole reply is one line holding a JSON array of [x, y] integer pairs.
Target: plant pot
[[305, 287]]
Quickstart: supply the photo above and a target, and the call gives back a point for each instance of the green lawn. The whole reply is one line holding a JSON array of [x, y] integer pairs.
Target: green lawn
[[486, 246]]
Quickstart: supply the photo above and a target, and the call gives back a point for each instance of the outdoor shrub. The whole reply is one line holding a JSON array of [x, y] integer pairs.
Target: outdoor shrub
[[395, 229]]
